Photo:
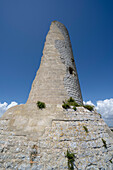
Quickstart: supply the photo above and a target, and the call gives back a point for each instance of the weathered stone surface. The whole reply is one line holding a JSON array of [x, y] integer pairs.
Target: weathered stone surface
[[36, 139], [65, 132], [57, 78]]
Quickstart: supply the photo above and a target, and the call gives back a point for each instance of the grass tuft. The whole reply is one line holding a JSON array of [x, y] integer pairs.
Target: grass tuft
[[104, 143], [71, 158], [89, 107], [86, 129], [66, 106], [70, 102]]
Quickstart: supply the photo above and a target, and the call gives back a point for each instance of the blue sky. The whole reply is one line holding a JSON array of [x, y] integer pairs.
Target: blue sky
[[23, 28]]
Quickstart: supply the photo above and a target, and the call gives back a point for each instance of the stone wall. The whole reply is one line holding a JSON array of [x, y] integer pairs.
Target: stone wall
[[48, 152], [71, 82]]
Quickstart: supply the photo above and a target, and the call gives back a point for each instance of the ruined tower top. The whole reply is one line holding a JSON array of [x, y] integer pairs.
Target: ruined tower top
[[56, 79]]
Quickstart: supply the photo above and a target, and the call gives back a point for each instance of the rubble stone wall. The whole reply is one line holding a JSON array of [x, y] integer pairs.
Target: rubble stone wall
[[49, 151]]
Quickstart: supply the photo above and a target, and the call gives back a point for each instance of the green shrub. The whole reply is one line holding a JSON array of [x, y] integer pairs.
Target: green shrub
[[66, 106], [71, 100], [41, 105], [110, 161], [73, 104], [100, 115], [72, 59], [71, 159], [74, 108], [104, 142], [89, 107], [85, 128], [76, 104]]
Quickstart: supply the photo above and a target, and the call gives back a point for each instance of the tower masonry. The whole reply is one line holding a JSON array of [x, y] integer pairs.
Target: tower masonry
[[57, 77]]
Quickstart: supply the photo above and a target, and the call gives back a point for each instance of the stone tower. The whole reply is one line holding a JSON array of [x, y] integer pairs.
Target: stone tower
[[57, 78], [35, 139]]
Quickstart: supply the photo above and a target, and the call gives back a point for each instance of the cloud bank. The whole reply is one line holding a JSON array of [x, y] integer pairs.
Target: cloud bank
[[5, 106], [104, 107]]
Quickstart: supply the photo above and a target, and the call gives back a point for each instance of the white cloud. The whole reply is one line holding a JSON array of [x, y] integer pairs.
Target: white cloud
[[5, 106], [105, 108], [12, 104], [89, 103]]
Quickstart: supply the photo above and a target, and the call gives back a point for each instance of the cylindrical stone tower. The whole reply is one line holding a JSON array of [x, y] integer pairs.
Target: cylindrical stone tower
[[57, 78]]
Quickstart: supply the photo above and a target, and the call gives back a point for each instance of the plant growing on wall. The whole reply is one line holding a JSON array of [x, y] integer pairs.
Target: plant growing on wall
[[70, 102], [86, 129], [110, 161], [41, 105], [71, 158], [74, 108], [65, 105], [89, 107], [104, 143], [100, 115]]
